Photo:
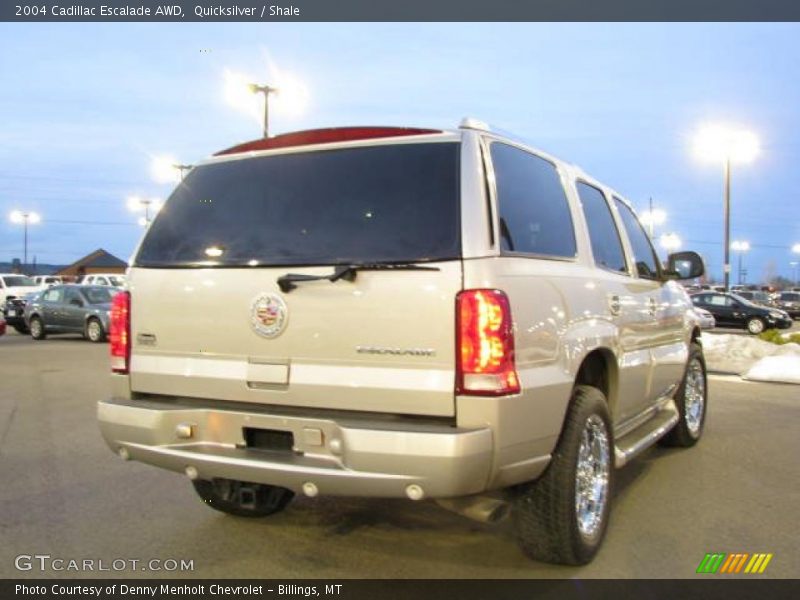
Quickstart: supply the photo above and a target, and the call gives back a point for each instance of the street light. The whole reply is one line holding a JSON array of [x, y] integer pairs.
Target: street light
[[740, 247], [652, 217], [266, 90], [17, 216], [289, 95], [165, 169], [726, 145], [136, 204], [670, 242]]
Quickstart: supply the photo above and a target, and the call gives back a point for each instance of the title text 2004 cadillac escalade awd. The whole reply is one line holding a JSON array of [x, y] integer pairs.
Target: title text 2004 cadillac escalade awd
[[411, 313]]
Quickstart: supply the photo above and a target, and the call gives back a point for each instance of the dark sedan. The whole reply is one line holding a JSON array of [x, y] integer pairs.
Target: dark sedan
[[80, 309], [15, 311], [790, 302], [731, 310]]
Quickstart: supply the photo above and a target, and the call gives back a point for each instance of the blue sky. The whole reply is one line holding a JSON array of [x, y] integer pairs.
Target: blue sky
[[85, 106]]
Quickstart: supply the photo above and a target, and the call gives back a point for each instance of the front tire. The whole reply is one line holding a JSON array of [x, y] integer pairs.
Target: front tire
[[94, 331], [755, 325], [692, 401], [562, 517], [37, 329], [241, 498]]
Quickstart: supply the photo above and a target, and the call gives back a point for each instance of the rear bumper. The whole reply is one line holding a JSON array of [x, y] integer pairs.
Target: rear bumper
[[338, 456]]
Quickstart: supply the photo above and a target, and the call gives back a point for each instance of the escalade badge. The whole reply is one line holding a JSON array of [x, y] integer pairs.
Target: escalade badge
[[268, 315]]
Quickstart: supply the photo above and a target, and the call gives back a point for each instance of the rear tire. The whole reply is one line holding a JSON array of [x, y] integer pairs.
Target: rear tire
[[37, 329], [692, 401], [562, 517], [755, 325], [241, 498], [94, 331]]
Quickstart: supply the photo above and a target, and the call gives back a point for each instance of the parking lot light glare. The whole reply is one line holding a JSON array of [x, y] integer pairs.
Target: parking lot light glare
[[718, 143], [796, 248], [670, 241], [165, 169]]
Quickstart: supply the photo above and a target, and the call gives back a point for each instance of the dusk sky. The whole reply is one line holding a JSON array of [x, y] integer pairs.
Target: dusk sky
[[85, 106]]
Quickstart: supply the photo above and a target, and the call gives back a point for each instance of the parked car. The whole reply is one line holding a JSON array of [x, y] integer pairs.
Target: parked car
[[70, 309], [12, 285], [110, 279], [757, 297], [45, 281], [15, 311], [466, 318], [705, 318], [731, 310], [790, 302]]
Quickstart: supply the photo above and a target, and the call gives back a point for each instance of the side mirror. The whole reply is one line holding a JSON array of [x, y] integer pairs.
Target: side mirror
[[685, 265]]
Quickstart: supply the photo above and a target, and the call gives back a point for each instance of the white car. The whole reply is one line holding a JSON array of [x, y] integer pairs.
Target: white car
[[705, 318], [12, 284], [45, 281], [112, 279]]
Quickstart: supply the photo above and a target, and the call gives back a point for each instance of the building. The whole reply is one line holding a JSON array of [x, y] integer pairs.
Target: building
[[98, 261]]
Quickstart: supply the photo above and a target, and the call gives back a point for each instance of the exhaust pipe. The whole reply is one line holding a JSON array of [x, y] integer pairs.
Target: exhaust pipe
[[485, 509]]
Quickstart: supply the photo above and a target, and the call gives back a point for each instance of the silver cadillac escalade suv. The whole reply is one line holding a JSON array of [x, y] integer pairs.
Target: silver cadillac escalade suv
[[393, 312]]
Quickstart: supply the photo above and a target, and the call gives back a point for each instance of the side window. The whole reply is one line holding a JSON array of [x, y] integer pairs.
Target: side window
[[719, 300], [532, 204], [643, 254], [606, 244], [101, 281], [53, 295], [72, 296]]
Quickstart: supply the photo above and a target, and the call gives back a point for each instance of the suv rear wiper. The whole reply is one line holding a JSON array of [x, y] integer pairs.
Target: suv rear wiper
[[289, 281]]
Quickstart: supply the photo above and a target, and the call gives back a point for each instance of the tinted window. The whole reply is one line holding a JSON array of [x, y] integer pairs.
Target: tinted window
[[116, 281], [606, 245], [534, 214], [643, 254], [73, 296], [393, 203], [790, 297], [19, 281], [98, 295]]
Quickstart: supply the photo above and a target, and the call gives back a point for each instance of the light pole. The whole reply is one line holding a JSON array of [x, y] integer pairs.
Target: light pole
[[740, 247], [726, 145], [653, 217], [165, 169], [17, 216], [266, 90], [136, 204], [794, 264]]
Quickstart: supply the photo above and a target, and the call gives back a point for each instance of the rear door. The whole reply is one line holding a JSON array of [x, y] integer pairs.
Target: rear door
[[209, 319]]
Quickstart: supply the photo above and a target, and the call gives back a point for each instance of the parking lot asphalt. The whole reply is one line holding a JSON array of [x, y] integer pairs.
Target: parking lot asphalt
[[64, 494]]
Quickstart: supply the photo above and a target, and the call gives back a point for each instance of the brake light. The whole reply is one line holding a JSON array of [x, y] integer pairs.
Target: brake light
[[485, 344], [119, 333]]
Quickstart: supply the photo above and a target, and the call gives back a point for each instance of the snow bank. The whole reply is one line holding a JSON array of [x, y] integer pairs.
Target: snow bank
[[752, 358]]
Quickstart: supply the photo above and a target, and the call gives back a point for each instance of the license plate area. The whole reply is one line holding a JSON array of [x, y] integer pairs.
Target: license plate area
[[268, 440]]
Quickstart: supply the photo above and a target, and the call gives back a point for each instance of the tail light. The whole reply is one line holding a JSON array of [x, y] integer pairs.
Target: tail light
[[119, 333], [485, 344]]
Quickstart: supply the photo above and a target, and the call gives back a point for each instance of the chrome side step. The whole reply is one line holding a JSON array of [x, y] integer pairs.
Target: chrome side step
[[644, 436]]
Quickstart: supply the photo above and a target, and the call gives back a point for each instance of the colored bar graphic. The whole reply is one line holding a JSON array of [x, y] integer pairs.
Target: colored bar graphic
[[711, 563], [719, 562]]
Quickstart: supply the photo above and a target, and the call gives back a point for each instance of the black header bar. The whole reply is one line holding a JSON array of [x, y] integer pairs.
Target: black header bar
[[110, 11]]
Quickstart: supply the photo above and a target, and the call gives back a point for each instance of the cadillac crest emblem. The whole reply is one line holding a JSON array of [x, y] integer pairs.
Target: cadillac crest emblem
[[268, 315]]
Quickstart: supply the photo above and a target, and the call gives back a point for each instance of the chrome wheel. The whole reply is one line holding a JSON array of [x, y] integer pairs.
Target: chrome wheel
[[94, 331], [694, 397], [755, 326], [592, 477], [36, 328]]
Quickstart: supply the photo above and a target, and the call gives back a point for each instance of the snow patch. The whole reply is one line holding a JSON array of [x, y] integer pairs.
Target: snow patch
[[752, 358]]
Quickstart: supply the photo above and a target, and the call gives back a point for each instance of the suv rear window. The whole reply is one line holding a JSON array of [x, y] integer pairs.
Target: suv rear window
[[387, 203]]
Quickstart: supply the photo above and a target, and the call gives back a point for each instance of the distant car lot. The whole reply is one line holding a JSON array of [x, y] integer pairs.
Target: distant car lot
[[65, 494]]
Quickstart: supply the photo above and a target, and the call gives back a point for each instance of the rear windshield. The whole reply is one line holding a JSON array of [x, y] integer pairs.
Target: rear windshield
[[18, 281], [393, 203]]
